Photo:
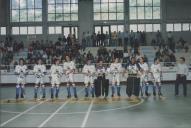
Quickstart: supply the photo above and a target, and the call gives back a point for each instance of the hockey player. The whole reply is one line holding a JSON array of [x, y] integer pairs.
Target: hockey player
[[56, 72], [101, 83], [133, 80], [39, 72], [115, 70], [20, 71], [69, 69], [143, 78], [156, 72], [89, 71]]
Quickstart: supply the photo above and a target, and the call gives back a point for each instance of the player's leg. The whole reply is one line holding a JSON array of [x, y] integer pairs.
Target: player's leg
[[74, 90], [23, 88], [36, 87], [86, 82], [136, 86], [113, 87], [73, 85], [36, 90], [129, 88], [118, 85], [92, 86], [146, 85], [18, 88], [177, 85], [43, 89], [158, 84], [68, 90], [52, 88], [142, 83], [154, 88], [57, 89], [184, 86]]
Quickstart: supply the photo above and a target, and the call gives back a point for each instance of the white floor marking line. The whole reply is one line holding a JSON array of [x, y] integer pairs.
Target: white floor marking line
[[53, 114], [22, 113], [87, 115], [71, 113]]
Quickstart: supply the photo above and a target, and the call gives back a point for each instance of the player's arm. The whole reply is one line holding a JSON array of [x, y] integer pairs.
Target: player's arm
[[17, 70]]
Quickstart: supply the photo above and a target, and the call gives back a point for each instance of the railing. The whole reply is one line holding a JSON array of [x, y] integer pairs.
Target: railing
[[165, 65]]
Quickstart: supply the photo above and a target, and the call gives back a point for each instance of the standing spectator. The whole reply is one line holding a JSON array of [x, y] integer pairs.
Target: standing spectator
[[126, 38], [102, 39], [107, 39], [120, 38], [94, 39], [84, 41], [158, 38], [182, 72], [132, 38], [98, 38]]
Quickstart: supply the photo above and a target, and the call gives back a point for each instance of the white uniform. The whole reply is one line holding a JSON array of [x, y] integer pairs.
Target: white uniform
[[89, 71], [21, 70], [156, 71], [39, 71], [56, 73], [69, 68], [115, 69], [144, 72]]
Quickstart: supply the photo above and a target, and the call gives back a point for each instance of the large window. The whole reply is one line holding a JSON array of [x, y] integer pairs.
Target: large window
[[62, 10], [178, 27], [26, 10], [144, 9], [27, 30], [145, 27], [2, 30], [108, 9]]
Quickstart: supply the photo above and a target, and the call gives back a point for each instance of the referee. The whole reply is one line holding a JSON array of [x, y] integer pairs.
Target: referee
[[182, 72]]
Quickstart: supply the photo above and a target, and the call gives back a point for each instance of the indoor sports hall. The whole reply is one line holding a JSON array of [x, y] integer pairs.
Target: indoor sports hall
[[95, 63]]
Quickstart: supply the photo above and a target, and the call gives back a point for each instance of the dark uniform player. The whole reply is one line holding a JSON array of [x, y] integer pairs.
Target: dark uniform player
[[133, 79], [101, 84]]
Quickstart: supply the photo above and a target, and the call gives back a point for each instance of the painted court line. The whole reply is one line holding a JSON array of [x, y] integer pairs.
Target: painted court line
[[22, 113], [87, 115], [53, 114], [82, 112]]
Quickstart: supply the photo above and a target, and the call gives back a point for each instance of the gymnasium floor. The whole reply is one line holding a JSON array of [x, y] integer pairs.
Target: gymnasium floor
[[169, 112]]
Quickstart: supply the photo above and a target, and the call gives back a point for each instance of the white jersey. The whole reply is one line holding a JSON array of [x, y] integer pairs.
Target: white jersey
[[39, 70], [89, 69], [69, 67], [144, 68], [56, 71], [115, 68], [21, 70], [156, 71], [144, 72]]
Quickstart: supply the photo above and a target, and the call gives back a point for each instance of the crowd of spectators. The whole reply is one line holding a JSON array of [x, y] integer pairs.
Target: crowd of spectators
[[113, 39], [49, 50]]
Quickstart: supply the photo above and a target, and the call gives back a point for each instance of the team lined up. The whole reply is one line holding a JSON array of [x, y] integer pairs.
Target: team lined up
[[138, 76]]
